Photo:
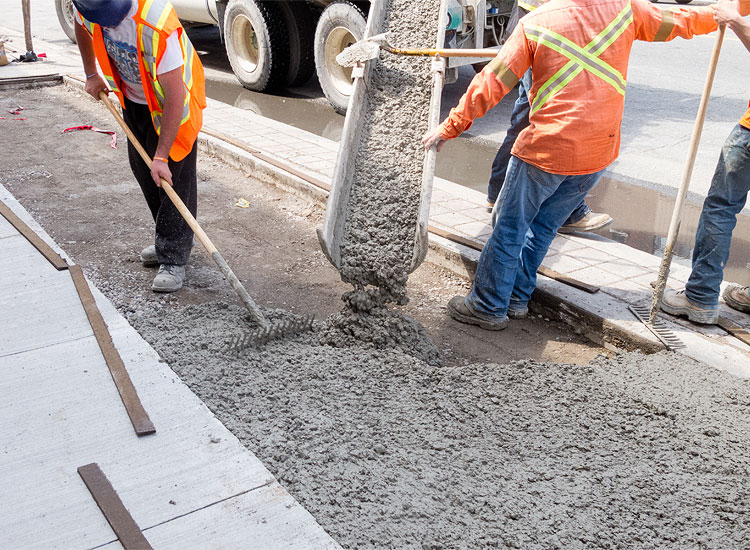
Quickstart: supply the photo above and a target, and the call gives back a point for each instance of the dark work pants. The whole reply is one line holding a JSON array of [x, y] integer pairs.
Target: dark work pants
[[174, 238]]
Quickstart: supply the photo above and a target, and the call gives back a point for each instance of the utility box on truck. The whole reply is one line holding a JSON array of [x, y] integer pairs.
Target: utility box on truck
[[273, 44]]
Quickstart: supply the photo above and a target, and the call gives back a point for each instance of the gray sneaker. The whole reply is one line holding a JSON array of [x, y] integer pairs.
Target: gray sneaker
[[458, 310], [169, 278], [676, 303], [148, 256], [590, 222]]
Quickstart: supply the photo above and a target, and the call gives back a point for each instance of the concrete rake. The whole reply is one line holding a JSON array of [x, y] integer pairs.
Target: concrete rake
[[267, 330]]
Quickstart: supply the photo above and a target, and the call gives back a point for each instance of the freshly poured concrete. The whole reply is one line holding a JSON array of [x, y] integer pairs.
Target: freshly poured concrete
[[390, 452]]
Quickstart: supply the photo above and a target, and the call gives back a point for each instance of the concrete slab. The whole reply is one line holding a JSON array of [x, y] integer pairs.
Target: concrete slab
[[59, 409]]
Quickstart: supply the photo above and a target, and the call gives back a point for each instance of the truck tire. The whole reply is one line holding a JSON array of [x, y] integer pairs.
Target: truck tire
[[257, 44], [340, 25], [300, 22], [66, 17]]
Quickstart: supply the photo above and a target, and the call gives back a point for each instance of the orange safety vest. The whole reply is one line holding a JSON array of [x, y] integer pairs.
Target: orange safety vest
[[155, 21], [578, 51]]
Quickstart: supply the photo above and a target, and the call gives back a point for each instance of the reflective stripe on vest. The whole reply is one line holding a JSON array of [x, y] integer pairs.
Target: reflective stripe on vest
[[586, 58], [530, 5], [155, 13]]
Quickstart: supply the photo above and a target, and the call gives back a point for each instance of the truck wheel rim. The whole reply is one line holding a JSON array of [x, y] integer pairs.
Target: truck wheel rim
[[245, 42], [69, 13], [338, 40]]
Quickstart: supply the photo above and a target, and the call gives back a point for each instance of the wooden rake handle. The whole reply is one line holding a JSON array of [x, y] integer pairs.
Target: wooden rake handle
[[250, 304], [674, 226]]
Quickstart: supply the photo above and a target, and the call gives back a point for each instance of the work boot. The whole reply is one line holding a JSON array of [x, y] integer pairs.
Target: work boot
[[520, 313], [458, 310], [737, 297], [169, 278], [590, 222], [148, 256], [677, 303]]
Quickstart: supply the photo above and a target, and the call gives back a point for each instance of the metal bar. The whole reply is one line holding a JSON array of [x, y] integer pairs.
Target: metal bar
[[138, 416], [128, 533], [53, 257], [547, 272]]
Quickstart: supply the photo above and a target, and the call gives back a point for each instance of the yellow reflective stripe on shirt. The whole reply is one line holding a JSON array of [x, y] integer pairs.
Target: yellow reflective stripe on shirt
[[585, 58], [503, 72], [665, 29], [525, 6]]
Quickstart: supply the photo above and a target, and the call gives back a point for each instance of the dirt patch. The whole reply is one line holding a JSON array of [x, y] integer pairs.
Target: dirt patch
[[384, 449]]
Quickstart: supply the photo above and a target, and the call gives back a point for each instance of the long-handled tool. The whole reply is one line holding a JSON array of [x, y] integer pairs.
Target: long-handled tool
[[267, 330], [674, 226], [369, 48]]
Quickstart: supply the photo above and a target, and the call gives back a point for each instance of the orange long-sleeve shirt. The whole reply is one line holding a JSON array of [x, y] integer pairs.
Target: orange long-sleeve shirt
[[578, 51]]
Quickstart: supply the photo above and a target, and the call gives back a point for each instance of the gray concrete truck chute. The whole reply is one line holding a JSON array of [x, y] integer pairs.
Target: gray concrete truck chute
[[273, 44]]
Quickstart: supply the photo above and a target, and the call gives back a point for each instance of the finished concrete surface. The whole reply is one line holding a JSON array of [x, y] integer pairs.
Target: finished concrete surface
[[190, 485]]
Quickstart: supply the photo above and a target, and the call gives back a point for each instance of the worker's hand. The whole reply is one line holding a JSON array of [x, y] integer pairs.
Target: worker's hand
[[727, 12], [96, 84], [159, 170], [433, 138]]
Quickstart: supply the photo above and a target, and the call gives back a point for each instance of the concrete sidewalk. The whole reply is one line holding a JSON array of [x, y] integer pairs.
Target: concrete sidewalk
[[192, 484], [304, 161]]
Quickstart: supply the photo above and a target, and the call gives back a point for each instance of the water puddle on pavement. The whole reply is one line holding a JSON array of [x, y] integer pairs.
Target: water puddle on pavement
[[641, 215]]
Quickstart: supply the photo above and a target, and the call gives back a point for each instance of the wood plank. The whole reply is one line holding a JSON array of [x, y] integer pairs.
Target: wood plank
[[114, 510], [53, 257], [138, 415], [735, 330]]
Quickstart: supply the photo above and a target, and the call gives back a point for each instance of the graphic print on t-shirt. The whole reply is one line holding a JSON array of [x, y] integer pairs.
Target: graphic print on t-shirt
[[125, 57]]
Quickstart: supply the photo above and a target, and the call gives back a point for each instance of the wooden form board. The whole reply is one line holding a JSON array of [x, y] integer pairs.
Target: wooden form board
[[138, 415]]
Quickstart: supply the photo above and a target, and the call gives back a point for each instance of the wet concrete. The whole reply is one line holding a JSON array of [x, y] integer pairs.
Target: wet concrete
[[387, 451]]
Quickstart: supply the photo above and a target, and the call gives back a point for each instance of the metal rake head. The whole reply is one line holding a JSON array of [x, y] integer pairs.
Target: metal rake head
[[274, 331], [658, 327]]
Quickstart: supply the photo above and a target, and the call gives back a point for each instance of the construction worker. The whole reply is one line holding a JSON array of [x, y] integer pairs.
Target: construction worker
[[578, 51], [699, 300], [151, 66], [582, 218]]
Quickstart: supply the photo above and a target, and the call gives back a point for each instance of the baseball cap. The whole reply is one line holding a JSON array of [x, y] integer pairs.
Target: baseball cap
[[108, 13]]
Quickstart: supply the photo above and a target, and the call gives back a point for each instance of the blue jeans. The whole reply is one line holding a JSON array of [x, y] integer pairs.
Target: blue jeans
[[519, 120], [533, 206], [726, 199]]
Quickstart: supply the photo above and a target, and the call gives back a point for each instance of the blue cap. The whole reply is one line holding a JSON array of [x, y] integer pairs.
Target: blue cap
[[108, 13]]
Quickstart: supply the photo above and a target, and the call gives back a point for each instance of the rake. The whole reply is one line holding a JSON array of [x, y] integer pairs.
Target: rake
[[267, 330]]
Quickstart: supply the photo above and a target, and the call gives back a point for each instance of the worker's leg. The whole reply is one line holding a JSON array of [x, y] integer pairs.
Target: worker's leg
[[552, 213], [519, 120], [174, 238], [726, 198], [526, 189]]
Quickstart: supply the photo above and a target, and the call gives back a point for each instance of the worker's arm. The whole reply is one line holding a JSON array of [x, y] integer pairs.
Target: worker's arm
[[174, 99], [485, 90], [728, 13], [95, 83]]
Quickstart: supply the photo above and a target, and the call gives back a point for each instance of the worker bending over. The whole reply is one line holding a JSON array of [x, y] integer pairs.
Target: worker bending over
[[153, 69], [726, 198], [578, 51]]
